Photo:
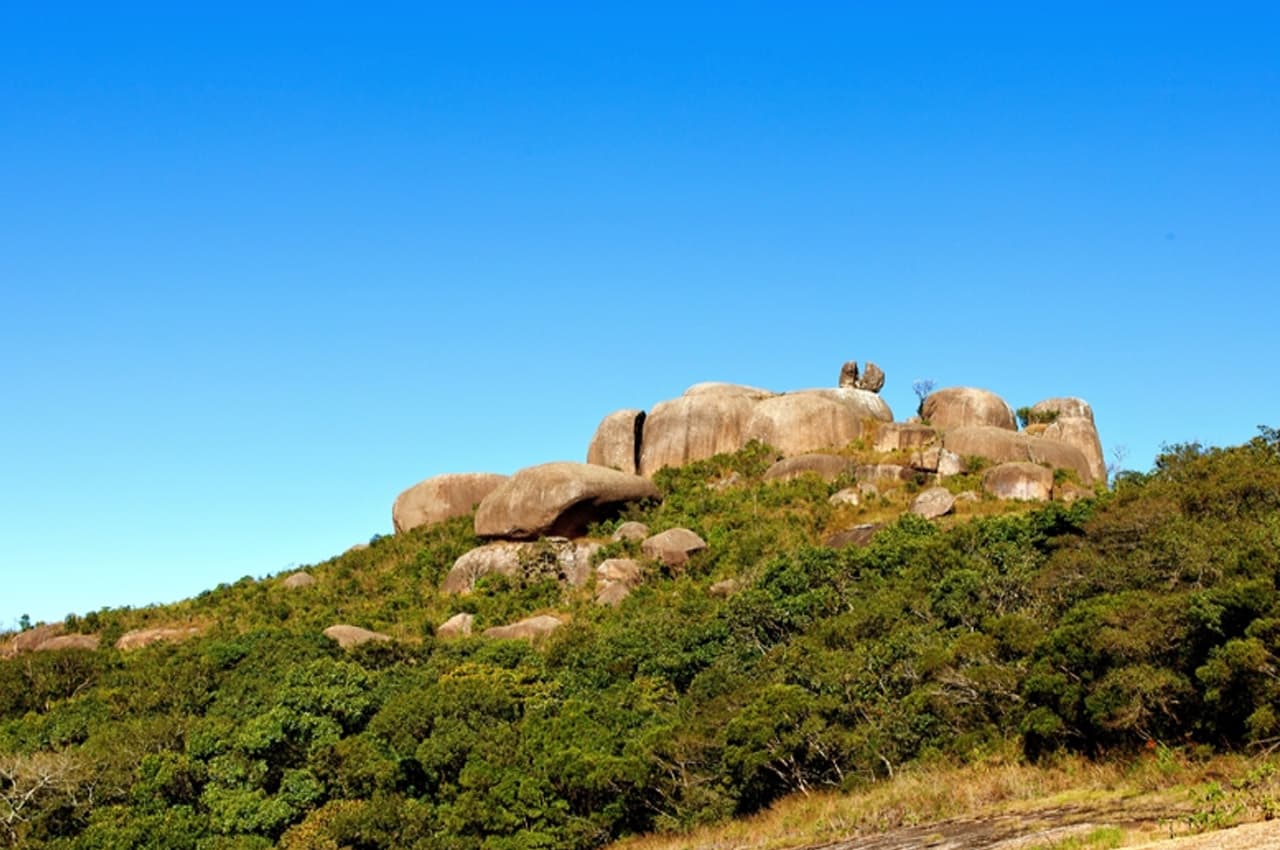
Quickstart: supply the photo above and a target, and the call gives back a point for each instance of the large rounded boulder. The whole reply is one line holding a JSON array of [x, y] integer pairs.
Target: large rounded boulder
[[963, 407], [827, 467], [616, 443], [442, 497], [695, 426], [1024, 481], [800, 423], [555, 558], [558, 499]]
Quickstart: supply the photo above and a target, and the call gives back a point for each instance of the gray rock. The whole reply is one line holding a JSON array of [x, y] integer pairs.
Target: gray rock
[[459, 625], [293, 581], [673, 547], [848, 496], [552, 557], [530, 628], [1019, 480], [348, 636], [827, 467], [933, 503], [859, 535], [617, 441], [631, 530]]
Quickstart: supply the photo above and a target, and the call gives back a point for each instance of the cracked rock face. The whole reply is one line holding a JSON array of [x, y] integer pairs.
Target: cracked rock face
[[617, 441], [870, 379]]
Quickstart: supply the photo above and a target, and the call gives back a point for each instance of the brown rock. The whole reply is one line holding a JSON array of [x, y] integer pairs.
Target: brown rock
[[553, 557], [893, 436], [673, 547], [61, 642], [459, 625], [1080, 432], [872, 379], [1068, 406], [1003, 446], [1019, 480], [293, 581], [348, 636], [859, 535], [530, 628], [139, 638], [798, 423], [848, 496], [721, 388], [864, 404], [933, 503], [616, 443], [442, 497], [963, 407], [695, 426], [559, 499], [631, 530], [30, 639], [826, 467], [884, 472], [624, 570], [939, 460]]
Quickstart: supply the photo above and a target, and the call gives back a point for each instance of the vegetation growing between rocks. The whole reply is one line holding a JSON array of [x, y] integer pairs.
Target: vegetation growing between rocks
[[1146, 617]]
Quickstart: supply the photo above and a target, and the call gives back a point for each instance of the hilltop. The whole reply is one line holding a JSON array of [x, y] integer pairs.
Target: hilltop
[[747, 595]]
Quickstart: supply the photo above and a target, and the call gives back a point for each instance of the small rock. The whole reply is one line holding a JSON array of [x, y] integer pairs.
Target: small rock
[[631, 530], [293, 581], [968, 496], [624, 570], [530, 628], [612, 593], [459, 625], [348, 636], [847, 496], [937, 459], [725, 588], [933, 503], [673, 546], [859, 535]]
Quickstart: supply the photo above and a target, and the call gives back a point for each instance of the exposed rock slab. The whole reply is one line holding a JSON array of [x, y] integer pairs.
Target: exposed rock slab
[[1003, 446], [864, 404], [933, 503], [62, 642], [894, 436], [799, 423], [1076, 430], [827, 467], [1020, 480], [30, 639], [673, 547], [963, 407], [139, 638], [293, 581], [347, 636], [530, 628], [884, 472], [851, 496], [555, 557], [558, 499], [459, 625], [859, 535], [442, 497], [617, 441], [722, 388], [939, 460]]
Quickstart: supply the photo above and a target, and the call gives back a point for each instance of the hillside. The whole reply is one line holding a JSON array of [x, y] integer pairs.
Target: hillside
[[778, 659]]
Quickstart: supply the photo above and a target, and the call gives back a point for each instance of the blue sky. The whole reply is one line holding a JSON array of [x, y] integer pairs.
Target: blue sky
[[260, 270]]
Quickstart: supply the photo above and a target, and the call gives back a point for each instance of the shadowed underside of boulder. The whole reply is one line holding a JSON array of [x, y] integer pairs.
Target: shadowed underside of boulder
[[558, 499], [442, 497]]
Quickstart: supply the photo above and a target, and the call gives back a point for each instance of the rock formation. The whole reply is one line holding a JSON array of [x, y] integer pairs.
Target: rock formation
[[616, 443], [826, 467], [1072, 423], [293, 581], [961, 407], [553, 557], [1003, 446], [616, 578], [442, 497], [631, 531], [558, 499], [673, 546], [459, 625], [61, 642], [693, 427], [872, 379], [348, 636], [1019, 480], [139, 638], [530, 628]]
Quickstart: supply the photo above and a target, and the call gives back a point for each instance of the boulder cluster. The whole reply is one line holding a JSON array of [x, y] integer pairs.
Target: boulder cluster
[[534, 521]]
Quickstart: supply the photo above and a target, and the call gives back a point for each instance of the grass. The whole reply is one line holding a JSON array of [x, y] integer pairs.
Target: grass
[[1159, 794]]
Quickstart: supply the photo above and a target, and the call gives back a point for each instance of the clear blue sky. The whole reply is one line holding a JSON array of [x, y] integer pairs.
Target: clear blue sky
[[261, 269]]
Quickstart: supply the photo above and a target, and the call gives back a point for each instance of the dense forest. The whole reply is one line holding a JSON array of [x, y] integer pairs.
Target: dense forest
[[1146, 614]]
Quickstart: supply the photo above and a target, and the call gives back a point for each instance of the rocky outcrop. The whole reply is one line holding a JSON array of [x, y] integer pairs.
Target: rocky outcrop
[[871, 379], [673, 547], [558, 499], [884, 472], [554, 557], [1019, 480], [631, 531], [933, 503], [139, 638], [721, 388], [850, 496], [865, 405], [617, 441], [348, 636], [293, 581], [1072, 423], [530, 628], [826, 467], [29, 640], [459, 625], [61, 642], [1003, 446], [963, 407], [442, 497]]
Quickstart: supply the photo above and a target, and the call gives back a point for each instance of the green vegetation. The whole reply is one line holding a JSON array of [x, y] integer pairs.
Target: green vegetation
[[1027, 416], [1113, 626]]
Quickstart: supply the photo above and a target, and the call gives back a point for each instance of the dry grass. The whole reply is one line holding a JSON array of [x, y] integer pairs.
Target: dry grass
[[1166, 782]]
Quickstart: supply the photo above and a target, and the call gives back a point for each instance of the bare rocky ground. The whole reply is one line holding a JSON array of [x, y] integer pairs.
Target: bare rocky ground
[[1065, 828]]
